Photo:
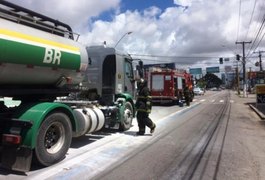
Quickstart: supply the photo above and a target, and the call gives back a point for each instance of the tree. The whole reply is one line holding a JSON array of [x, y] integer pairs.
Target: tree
[[212, 80]]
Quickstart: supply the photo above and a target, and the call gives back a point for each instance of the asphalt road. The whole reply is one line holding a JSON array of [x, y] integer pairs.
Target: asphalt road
[[204, 141], [179, 149]]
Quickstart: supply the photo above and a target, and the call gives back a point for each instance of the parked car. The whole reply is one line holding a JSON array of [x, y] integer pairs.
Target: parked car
[[216, 89], [198, 91]]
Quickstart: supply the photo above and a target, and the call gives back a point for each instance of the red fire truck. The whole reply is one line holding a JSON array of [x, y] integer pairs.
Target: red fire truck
[[167, 85]]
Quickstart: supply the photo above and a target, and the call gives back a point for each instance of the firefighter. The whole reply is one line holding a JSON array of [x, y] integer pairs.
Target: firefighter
[[144, 106], [187, 95]]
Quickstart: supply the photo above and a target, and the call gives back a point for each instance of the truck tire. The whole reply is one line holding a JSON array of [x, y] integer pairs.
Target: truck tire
[[53, 139], [128, 117]]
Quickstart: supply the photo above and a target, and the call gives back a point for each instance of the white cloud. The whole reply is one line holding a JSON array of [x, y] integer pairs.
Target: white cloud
[[75, 13], [152, 11], [199, 30], [183, 2]]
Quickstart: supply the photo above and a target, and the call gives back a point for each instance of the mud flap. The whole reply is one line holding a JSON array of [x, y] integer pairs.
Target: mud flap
[[16, 158]]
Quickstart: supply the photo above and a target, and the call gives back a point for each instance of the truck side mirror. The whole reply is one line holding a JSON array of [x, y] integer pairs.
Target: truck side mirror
[[141, 64], [140, 69]]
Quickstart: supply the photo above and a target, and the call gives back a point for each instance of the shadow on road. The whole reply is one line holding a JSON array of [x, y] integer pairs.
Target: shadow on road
[[133, 133], [4, 172], [90, 138]]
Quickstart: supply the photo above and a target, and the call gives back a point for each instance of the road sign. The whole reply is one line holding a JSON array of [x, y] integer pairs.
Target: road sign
[[212, 70], [228, 69], [195, 70], [260, 89], [260, 92]]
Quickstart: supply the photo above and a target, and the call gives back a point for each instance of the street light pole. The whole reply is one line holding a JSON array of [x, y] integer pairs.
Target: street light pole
[[122, 38]]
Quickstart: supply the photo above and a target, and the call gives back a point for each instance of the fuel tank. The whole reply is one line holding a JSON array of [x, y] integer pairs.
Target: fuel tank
[[88, 120], [30, 56]]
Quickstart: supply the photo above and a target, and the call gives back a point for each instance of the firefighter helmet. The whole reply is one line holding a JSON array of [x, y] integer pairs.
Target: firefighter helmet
[[142, 82]]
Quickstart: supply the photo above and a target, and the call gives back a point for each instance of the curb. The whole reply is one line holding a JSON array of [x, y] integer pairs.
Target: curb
[[260, 114]]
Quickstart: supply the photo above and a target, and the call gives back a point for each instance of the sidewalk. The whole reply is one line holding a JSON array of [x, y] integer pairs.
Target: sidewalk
[[251, 101]]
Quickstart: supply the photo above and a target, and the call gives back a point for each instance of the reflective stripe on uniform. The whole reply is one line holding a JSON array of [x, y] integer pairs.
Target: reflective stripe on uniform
[[144, 110], [145, 96]]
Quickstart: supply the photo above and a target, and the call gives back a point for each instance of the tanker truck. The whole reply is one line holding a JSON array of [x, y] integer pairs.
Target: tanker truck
[[65, 89]]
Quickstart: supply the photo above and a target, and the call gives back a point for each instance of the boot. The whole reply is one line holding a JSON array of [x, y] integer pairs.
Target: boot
[[152, 130], [140, 133]]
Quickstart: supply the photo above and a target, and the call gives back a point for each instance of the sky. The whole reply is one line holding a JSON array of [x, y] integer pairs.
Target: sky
[[191, 33]]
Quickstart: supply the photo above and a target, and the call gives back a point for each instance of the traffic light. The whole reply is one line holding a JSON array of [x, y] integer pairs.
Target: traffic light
[[237, 57], [221, 60]]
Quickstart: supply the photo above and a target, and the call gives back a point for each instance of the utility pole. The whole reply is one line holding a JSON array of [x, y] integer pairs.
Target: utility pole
[[237, 81], [260, 62], [244, 67]]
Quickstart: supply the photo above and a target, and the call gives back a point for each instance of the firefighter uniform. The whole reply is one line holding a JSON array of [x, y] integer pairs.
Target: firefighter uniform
[[187, 96], [144, 106]]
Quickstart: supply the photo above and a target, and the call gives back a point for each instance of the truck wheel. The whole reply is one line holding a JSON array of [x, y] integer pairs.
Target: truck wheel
[[128, 117], [53, 139]]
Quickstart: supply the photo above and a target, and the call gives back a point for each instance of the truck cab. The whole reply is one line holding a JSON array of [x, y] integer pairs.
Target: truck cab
[[110, 73]]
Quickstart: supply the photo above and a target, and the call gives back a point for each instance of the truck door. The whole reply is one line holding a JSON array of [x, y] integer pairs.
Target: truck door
[[168, 85], [129, 78]]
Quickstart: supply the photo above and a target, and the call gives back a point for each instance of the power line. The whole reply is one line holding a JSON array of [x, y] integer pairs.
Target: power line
[[184, 57], [239, 19], [257, 35], [259, 41], [251, 18]]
